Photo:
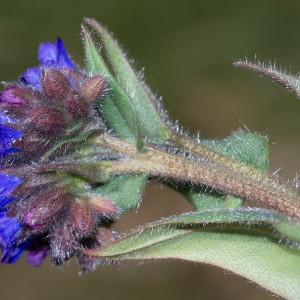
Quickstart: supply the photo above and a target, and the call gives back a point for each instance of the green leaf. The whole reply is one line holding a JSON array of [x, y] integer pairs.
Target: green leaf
[[125, 191], [236, 215], [204, 198], [232, 201], [150, 122], [116, 106], [250, 251], [247, 147], [250, 148], [257, 258], [291, 230], [188, 221]]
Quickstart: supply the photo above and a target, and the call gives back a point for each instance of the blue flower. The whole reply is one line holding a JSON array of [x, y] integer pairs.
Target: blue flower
[[46, 203], [50, 55], [9, 227]]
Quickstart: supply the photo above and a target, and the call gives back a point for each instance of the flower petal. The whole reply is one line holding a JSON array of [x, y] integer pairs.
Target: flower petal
[[7, 136], [47, 52], [12, 254], [63, 59], [7, 184], [7, 96], [37, 253], [5, 119], [9, 227], [9, 230], [32, 77]]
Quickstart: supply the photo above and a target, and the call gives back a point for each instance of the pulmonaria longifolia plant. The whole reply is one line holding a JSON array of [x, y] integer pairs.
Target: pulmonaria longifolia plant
[[78, 146]]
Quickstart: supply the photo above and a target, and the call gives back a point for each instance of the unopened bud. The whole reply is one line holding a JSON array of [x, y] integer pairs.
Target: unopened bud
[[45, 208], [81, 217], [103, 205], [32, 97], [93, 88], [55, 84], [63, 242], [76, 106], [46, 120]]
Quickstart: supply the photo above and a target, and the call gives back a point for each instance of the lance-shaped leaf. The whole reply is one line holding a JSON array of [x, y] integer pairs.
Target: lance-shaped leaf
[[149, 118], [116, 105], [250, 251], [247, 147]]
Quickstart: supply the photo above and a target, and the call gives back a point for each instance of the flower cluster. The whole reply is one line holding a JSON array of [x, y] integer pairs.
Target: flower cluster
[[44, 119]]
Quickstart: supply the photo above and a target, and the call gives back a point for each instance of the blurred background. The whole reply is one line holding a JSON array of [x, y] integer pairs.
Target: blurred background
[[187, 48]]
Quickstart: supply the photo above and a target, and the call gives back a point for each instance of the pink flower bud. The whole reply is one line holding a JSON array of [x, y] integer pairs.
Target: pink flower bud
[[93, 88], [81, 217]]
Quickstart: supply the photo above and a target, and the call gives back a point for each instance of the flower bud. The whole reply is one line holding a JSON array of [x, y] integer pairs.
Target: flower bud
[[76, 106], [81, 217], [32, 185], [62, 242], [31, 97], [55, 84], [103, 205], [44, 208], [93, 88], [46, 120], [32, 147]]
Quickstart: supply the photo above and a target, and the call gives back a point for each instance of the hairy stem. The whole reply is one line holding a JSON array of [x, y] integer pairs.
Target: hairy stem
[[206, 167]]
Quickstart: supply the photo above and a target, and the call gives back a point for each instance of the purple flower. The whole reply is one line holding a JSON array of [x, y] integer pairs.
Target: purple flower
[[50, 55], [46, 203]]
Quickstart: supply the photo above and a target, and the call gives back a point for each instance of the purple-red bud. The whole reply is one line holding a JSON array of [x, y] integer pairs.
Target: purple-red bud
[[76, 106], [55, 84], [32, 185], [46, 120], [30, 96], [63, 242], [44, 208], [32, 146], [93, 88], [81, 217]]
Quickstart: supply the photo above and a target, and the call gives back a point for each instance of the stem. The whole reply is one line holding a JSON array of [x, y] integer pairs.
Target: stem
[[212, 170]]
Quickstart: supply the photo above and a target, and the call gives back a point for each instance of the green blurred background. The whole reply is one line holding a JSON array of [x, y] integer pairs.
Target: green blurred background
[[187, 49]]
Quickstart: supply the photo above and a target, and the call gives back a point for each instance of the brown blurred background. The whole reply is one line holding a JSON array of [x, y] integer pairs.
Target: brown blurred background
[[187, 48]]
